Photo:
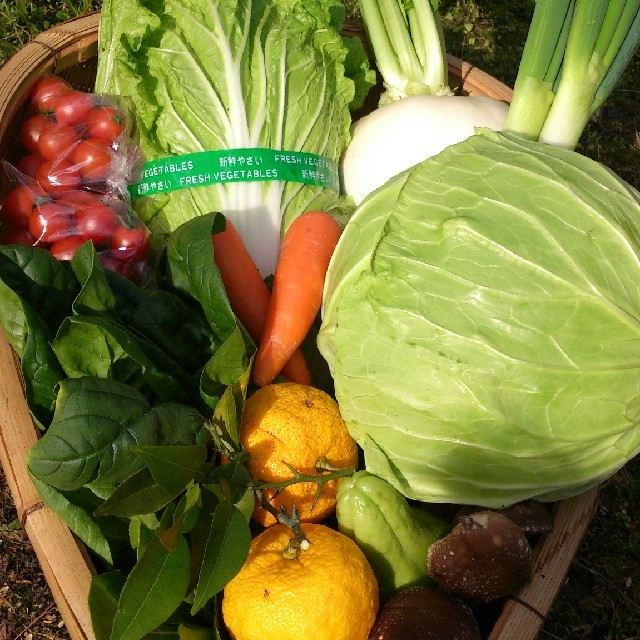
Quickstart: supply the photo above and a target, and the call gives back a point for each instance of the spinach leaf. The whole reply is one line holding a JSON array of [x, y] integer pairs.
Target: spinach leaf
[[175, 326], [95, 297], [47, 285], [192, 270], [95, 425], [92, 346], [34, 290]]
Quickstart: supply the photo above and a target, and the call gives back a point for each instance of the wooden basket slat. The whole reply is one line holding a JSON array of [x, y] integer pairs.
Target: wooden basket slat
[[70, 50], [65, 563]]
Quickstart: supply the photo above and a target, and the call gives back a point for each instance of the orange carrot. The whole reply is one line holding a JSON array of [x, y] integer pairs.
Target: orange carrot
[[297, 290], [249, 295]]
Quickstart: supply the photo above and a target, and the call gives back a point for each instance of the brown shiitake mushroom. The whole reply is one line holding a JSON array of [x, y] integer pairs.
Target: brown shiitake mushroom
[[533, 517], [425, 613], [486, 556]]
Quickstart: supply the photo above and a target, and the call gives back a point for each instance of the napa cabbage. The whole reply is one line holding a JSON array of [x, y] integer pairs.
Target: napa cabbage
[[481, 320], [203, 76]]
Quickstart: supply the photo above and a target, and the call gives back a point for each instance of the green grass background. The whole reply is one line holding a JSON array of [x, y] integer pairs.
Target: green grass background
[[601, 596]]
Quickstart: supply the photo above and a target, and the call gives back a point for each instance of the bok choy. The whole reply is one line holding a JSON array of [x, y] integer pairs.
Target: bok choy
[[233, 75]]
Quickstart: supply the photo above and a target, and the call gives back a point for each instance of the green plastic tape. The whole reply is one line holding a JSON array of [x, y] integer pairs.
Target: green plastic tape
[[235, 165]]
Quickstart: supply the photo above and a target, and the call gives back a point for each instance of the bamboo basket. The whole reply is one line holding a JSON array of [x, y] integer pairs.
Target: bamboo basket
[[70, 50]]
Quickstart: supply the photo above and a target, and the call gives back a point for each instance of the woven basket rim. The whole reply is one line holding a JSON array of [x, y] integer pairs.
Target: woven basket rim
[[74, 42]]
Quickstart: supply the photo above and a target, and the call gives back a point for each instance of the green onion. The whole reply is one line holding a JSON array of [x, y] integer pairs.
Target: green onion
[[574, 55], [408, 44]]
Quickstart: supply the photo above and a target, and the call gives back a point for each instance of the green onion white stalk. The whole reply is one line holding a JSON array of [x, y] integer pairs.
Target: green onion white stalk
[[575, 53]]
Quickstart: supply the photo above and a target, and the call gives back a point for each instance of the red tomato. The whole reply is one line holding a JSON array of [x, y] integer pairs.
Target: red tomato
[[46, 90], [58, 175], [18, 205], [78, 199], [105, 123], [65, 249], [110, 260], [56, 139], [51, 222], [93, 158], [29, 164], [30, 130], [130, 244], [72, 107], [96, 222], [19, 236]]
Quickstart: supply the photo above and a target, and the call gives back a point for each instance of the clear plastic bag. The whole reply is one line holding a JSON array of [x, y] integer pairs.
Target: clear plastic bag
[[63, 220], [77, 140], [70, 184]]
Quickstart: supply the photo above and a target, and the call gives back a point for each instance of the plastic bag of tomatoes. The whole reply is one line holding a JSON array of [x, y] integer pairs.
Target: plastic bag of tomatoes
[[62, 220], [76, 140], [70, 183]]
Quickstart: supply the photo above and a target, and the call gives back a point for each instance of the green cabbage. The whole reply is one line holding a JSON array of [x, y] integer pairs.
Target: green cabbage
[[481, 320], [235, 74]]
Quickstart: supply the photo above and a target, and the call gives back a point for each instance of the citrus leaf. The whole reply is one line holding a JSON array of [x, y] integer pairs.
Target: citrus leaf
[[228, 366], [137, 495], [154, 589], [226, 550], [74, 509], [174, 467], [225, 424], [188, 509], [142, 530], [104, 594]]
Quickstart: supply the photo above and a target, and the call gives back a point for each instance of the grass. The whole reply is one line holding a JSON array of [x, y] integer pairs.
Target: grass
[[601, 596]]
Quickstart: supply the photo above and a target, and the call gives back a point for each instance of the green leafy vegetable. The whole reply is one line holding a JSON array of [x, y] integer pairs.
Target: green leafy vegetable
[[104, 536], [236, 74], [482, 323], [89, 346], [122, 377], [95, 425]]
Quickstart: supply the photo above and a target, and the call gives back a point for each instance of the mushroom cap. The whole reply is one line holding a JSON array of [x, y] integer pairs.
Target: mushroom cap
[[485, 557], [533, 518], [425, 613]]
